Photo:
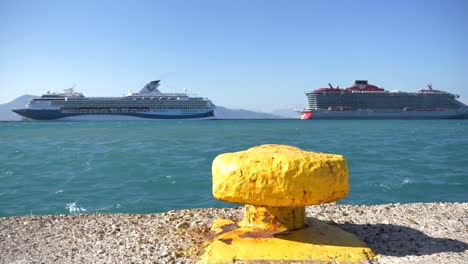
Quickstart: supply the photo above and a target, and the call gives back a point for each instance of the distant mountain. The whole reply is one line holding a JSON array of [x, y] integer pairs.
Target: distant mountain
[[225, 113], [288, 113], [5, 109], [220, 112]]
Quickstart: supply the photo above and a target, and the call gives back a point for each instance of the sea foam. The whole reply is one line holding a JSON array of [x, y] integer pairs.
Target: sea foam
[[73, 208]]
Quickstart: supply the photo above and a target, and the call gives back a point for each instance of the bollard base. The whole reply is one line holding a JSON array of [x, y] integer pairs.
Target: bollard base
[[318, 242]]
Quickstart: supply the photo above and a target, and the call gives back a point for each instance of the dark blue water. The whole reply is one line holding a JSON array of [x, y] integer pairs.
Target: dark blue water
[[142, 167]]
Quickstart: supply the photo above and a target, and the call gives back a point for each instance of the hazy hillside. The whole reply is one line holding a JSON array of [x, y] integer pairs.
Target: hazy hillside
[[288, 113], [5, 109], [220, 112]]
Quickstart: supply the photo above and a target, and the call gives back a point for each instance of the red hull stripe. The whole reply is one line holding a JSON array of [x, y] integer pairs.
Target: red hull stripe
[[306, 115]]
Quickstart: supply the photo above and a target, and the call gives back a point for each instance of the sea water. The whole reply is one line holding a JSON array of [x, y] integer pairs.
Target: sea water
[[156, 166]]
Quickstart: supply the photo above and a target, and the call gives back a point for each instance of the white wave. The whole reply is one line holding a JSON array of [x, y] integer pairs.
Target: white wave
[[59, 191], [6, 174], [88, 166], [73, 208], [384, 187], [406, 181], [105, 208]]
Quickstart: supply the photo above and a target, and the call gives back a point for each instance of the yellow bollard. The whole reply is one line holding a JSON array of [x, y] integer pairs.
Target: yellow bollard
[[276, 182]]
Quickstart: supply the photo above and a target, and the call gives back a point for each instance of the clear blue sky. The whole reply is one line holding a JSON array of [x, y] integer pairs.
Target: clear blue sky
[[252, 54]]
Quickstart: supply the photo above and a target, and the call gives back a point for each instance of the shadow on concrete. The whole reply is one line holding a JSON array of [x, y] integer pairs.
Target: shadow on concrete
[[319, 233], [397, 240]]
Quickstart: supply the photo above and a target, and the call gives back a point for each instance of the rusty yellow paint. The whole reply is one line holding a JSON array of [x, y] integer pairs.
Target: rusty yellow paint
[[273, 218], [279, 176], [318, 242], [218, 224]]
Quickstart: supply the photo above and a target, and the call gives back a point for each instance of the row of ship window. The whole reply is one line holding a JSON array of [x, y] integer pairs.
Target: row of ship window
[[119, 105], [122, 110], [379, 103]]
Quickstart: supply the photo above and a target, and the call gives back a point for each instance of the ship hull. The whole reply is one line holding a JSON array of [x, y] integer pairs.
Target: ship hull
[[369, 114], [58, 115]]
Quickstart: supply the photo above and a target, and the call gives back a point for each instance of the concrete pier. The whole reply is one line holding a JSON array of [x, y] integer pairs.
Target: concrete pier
[[399, 233]]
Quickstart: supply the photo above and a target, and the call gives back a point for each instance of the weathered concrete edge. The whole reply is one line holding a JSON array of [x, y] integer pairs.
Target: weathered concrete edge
[[402, 233]]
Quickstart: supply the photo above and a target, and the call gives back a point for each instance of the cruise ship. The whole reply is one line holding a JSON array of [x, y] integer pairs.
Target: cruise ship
[[366, 101], [149, 103]]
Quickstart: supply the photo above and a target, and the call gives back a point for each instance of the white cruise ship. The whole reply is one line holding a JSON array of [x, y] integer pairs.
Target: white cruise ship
[[149, 103]]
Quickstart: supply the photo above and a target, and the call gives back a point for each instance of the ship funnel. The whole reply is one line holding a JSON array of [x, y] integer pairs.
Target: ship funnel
[[151, 87], [358, 82]]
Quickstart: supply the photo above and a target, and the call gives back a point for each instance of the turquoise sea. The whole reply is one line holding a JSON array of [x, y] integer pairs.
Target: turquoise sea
[[156, 166]]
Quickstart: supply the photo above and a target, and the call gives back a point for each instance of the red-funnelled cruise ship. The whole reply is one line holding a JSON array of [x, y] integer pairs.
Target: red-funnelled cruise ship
[[367, 101]]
